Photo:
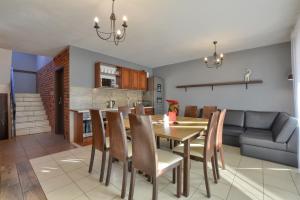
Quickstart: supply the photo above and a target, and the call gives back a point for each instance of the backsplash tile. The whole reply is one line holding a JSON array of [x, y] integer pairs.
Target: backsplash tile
[[84, 98]]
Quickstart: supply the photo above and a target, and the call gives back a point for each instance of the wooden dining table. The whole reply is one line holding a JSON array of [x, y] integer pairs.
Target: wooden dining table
[[184, 130]]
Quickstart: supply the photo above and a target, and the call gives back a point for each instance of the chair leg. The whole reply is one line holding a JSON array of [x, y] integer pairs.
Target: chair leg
[[222, 157], [92, 159], [132, 183], [179, 180], [217, 163], [103, 162], [124, 182], [155, 191], [171, 144], [108, 170], [213, 164], [158, 142], [174, 176], [206, 178]]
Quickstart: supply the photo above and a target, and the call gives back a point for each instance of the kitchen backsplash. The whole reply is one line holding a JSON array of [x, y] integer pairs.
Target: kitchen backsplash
[[84, 98]]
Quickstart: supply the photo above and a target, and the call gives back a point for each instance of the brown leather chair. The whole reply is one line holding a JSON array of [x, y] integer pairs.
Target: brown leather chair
[[207, 152], [139, 109], [147, 158], [99, 142], [219, 141], [125, 110], [191, 111], [119, 149], [207, 110]]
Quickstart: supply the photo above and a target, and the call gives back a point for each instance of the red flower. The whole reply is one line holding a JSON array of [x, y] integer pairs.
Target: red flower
[[172, 101]]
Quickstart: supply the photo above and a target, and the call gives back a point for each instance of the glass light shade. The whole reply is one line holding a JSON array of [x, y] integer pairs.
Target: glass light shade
[[125, 18], [96, 20], [119, 32]]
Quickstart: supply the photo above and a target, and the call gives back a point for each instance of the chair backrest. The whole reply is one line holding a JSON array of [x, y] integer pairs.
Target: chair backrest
[[117, 135], [125, 110], [191, 111], [98, 130], [220, 129], [207, 110], [210, 138], [139, 109], [144, 156]]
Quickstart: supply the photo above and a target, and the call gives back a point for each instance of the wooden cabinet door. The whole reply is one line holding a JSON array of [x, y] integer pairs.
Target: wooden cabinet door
[[142, 80], [134, 79], [149, 111], [125, 78]]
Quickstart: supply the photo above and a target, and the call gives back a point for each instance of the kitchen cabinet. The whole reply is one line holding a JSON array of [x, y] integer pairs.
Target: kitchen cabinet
[[134, 79], [125, 78], [142, 80]]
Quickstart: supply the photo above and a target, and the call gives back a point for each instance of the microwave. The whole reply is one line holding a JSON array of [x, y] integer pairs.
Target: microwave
[[108, 81]]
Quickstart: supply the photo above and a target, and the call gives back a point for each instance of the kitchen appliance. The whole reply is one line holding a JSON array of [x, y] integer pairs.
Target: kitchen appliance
[[110, 103], [155, 94]]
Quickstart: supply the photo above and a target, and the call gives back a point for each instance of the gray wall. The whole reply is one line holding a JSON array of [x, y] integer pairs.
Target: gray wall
[[82, 64], [5, 64], [272, 64]]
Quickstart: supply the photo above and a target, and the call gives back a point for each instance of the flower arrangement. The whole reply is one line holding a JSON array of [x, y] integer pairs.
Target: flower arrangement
[[173, 109]]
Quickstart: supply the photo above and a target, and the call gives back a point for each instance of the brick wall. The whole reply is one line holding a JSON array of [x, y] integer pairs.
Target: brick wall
[[46, 87]]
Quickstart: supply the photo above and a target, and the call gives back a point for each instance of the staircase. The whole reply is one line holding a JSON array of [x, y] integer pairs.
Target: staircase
[[31, 117]]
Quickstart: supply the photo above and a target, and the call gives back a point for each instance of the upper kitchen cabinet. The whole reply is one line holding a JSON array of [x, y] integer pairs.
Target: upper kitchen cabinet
[[142, 80], [134, 79], [125, 78]]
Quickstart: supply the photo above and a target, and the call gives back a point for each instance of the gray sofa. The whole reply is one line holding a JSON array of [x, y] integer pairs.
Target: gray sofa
[[266, 135]]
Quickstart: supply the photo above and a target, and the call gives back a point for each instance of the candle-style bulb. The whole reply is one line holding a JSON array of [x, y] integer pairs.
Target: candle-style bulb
[[96, 20], [205, 59], [125, 18], [221, 55], [118, 32]]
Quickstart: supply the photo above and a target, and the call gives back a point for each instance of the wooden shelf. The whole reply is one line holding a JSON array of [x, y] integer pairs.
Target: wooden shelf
[[212, 85]]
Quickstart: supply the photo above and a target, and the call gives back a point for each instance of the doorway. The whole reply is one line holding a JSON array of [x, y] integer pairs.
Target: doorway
[[3, 117], [59, 101]]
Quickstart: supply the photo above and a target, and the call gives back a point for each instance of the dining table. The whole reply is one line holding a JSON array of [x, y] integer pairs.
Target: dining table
[[184, 130]]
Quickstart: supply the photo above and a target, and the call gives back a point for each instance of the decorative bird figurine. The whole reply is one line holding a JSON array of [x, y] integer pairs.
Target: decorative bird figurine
[[247, 75]]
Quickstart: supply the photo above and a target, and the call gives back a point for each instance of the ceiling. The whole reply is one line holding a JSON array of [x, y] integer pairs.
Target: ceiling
[[160, 32]]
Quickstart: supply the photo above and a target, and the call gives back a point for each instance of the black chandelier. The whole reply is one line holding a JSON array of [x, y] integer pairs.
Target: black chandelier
[[217, 58], [114, 35]]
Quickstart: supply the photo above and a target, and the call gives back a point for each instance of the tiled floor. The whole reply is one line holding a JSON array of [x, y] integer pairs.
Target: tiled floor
[[17, 178], [65, 176]]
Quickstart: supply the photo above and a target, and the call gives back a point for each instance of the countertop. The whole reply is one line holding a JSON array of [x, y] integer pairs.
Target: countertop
[[84, 110]]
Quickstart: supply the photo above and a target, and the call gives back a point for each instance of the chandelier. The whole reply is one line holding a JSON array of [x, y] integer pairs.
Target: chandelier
[[217, 58], [114, 35]]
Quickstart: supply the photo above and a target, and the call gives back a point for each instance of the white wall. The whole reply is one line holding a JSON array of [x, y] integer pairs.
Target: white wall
[[272, 64], [5, 64]]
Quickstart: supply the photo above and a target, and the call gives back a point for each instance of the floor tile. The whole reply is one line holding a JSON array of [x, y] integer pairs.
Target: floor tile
[[68, 192], [103, 192], [55, 183]]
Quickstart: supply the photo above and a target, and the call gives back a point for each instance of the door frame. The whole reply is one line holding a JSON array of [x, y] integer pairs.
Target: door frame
[[58, 70]]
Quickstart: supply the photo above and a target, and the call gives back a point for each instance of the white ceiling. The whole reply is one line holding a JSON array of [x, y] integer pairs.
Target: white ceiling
[[160, 32]]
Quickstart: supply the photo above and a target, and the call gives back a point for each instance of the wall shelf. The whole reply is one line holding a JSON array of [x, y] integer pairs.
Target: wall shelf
[[212, 85]]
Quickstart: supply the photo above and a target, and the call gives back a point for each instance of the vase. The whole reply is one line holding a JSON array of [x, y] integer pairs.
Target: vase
[[172, 116]]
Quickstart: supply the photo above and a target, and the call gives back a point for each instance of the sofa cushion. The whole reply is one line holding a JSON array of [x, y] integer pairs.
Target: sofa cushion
[[233, 130], [234, 118], [260, 120], [279, 122], [283, 133], [261, 138]]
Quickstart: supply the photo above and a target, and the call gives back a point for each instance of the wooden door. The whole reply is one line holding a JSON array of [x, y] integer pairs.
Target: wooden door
[[142, 80], [59, 101], [3, 116], [134, 79], [125, 78]]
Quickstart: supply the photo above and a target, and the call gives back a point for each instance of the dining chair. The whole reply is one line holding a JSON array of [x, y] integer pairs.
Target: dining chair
[[140, 109], [147, 158], [99, 140], [207, 110], [119, 149], [205, 153], [190, 111], [125, 110]]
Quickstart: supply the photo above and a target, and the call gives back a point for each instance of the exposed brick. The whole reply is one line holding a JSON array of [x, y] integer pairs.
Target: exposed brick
[[46, 88]]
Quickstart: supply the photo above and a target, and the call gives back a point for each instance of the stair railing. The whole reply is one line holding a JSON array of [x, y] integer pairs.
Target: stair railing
[[13, 102]]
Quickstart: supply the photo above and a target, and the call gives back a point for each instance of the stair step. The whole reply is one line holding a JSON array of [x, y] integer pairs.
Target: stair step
[[30, 113], [28, 99], [30, 95], [32, 124], [35, 130], [31, 118], [29, 103], [29, 108]]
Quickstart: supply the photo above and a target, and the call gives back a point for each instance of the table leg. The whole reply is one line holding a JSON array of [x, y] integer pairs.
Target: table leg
[[186, 168], [158, 142]]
